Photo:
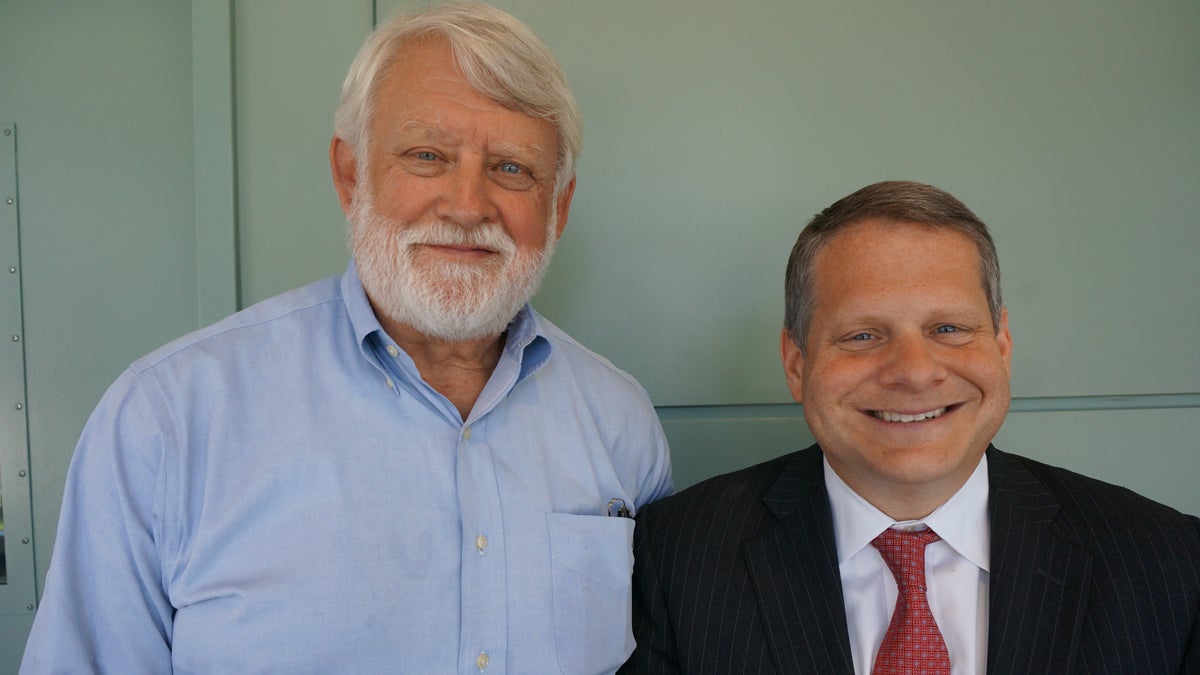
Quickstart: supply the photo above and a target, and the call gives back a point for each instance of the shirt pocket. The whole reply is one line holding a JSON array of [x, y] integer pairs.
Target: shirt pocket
[[592, 563]]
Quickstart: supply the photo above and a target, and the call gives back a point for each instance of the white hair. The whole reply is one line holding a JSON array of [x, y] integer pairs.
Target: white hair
[[498, 55]]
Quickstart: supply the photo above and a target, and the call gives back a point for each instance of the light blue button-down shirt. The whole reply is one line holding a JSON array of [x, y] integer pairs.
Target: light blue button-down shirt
[[282, 492]]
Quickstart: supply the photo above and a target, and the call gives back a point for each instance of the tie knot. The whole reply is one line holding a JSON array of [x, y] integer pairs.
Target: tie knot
[[904, 553]]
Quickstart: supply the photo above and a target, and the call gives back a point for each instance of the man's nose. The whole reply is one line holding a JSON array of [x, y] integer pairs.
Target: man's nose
[[467, 200], [912, 361]]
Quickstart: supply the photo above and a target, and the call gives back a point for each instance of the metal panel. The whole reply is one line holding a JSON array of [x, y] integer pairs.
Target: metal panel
[[18, 591]]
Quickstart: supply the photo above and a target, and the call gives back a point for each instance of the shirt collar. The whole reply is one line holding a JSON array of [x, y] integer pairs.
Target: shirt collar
[[526, 341], [961, 522], [362, 316]]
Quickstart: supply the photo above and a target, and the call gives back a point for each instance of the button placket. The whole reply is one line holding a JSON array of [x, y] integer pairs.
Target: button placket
[[485, 588]]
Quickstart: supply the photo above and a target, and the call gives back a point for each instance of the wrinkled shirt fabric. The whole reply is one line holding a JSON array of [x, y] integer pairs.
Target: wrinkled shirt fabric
[[282, 492]]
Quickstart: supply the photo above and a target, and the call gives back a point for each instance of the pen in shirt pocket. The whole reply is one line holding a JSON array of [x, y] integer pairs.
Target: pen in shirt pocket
[[622, 511]]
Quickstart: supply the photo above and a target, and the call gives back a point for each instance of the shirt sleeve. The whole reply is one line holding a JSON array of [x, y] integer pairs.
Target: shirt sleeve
[[104, 607], [652, 457]]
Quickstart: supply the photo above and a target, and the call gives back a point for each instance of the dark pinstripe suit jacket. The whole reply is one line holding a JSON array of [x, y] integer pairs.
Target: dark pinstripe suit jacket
[[739, 574]]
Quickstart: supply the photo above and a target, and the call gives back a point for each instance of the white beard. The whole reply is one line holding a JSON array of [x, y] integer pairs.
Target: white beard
[[442, 299]]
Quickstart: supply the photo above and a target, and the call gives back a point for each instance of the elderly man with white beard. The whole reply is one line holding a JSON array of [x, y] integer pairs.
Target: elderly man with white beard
[[401, 469]]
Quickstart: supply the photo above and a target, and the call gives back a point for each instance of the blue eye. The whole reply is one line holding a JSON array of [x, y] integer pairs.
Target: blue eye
[[510, 167], [946, 329], [426, 155], [861, 337]]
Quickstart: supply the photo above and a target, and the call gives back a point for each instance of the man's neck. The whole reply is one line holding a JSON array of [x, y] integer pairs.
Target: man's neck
[[904, 502], [456, 370]]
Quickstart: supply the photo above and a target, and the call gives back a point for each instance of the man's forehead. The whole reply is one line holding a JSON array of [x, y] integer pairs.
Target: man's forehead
[[879, 239], [875, 236], [424, 94]]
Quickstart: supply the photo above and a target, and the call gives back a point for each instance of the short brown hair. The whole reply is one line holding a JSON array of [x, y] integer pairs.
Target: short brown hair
[[889, 201]]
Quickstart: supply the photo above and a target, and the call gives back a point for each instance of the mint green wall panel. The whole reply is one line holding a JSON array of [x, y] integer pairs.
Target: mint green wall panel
[[706, 441], [714, 130], [291, 56], [101, 96], [215, 192], [1153, 452], [14, 630]]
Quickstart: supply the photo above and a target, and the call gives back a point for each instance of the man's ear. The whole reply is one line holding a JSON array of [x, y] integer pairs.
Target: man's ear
[[343, 163], [1004, 340], [564, 205], [793, 365]]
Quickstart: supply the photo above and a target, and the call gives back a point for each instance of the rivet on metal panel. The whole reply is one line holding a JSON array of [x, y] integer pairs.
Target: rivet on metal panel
[[20, 406], [9, 201], [16, 338], [21, 473], [8, 132], [29, 608], [24, 540], [12, 270]]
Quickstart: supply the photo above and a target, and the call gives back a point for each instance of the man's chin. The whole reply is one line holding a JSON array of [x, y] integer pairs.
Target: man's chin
[[455, 301], [455, 327]]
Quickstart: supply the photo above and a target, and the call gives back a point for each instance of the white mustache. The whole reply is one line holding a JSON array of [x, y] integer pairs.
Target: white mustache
[[489, 236]]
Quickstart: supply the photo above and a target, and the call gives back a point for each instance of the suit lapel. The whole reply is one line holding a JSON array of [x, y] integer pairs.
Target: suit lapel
[[1038, 579], [794, 572]]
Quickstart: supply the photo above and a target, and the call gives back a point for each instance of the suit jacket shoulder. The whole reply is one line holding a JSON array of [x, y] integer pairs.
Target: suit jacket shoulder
[[738, 574], [1087, 576]]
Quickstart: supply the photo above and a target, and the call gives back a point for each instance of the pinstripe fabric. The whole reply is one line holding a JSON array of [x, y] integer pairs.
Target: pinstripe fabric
[[1088, 577], [739, 575]]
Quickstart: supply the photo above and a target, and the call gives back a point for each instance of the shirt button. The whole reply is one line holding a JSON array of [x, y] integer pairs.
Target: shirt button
[[482, 661], [466, 433], [481, 543], [391, 349]]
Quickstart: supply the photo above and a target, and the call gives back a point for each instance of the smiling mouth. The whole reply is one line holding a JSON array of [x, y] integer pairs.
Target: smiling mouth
[[904, 418]]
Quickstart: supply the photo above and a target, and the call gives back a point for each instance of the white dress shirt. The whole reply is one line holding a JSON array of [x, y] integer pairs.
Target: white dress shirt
[[956, 571]]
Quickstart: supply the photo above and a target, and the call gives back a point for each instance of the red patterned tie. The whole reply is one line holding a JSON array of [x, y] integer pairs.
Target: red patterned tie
[[913, 645]]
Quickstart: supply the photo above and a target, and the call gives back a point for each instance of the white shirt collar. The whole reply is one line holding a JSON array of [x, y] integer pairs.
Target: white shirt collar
[[961, 522]]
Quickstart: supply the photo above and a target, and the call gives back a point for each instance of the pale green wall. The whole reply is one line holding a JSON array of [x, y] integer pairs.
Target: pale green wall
[[714, 130], [172, 164], [292, 56], [100, 94]]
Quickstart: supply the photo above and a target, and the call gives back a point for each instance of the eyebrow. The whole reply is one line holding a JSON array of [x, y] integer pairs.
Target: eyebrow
[[437, 133], [429, 130]]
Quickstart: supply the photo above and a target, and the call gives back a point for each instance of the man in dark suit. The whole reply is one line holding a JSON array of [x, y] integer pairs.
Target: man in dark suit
[[904, 539]]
